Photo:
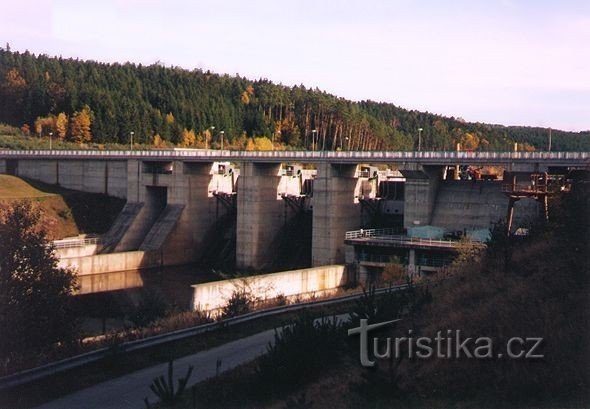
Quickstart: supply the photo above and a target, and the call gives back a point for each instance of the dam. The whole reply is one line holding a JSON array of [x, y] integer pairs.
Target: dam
[[257, 209]]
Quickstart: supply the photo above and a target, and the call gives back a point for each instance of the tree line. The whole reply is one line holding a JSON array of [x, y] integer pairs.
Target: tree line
[[85, 101]]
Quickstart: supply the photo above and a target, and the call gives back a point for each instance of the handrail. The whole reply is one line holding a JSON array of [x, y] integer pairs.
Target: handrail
[[524, 187], [394, 236], [347, 156], [53, 368], [73, 243]]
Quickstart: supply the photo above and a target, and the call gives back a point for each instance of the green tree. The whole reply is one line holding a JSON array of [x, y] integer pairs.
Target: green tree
[[35, 294]]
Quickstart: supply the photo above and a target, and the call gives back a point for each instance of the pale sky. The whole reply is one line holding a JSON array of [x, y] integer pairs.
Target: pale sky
[[498, 61]]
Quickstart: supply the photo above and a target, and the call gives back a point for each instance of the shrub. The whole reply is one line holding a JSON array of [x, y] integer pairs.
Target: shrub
[[151, 307], [300, 352], [240, 302], [164, 387]]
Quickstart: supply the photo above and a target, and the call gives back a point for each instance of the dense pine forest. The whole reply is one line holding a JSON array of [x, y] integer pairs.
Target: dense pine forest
[[88, 101]]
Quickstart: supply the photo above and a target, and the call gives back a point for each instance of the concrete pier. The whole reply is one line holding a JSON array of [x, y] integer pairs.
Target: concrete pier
[[335, 211], [261, 214], [421, 188]]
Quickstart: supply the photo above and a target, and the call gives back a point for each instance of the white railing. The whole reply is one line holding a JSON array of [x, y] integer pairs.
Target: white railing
[[305, 155], [357, 234], [73, 243], [393, 236]]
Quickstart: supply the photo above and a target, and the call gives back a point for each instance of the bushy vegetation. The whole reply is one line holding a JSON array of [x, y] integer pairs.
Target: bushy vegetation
[[35, 294], [540, 290], [391, 305], [300, 352], [164, 389], [240, 302], [87, 101], [150, 308]]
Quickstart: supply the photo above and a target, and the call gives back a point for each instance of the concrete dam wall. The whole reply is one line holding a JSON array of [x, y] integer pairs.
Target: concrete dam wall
[[175, 207], [94, 176], [472, 205]]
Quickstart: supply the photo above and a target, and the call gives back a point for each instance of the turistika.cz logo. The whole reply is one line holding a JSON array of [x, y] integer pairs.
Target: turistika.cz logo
[[449, 344]]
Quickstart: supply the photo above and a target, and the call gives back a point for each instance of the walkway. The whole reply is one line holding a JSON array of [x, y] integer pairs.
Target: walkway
[[128, 392]]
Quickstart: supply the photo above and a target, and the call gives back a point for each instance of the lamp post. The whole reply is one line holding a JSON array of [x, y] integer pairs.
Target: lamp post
[[221, 133], [347, 143], [50, 140], [419, 139], [131, 139], [313, 133]]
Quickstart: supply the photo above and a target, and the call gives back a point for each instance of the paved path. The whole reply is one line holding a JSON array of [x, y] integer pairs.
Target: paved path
[[129, 390]]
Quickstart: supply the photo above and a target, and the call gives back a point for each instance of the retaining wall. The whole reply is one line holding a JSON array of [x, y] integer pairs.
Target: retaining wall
[[112, 262], [303, 283]]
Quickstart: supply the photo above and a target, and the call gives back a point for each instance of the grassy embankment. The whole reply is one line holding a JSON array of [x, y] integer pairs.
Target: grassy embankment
[[65, 212], [56, 215]]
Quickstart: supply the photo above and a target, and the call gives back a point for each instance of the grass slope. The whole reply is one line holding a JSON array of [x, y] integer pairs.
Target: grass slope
[[56, 216], [12, 187]]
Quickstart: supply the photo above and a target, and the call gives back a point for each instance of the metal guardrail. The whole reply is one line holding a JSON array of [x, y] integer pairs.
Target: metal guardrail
[[310, 156], [357, 234], [388, 235], [77, 361], [420, 262], [73, 243], [525, 187]]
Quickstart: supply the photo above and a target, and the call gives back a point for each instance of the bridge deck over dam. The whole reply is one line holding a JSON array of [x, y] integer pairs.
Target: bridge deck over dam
[[184, 205], [345, 157]]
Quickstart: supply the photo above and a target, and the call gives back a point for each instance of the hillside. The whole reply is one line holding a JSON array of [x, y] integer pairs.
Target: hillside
[[56, 215], [65, 212], [87, 101]]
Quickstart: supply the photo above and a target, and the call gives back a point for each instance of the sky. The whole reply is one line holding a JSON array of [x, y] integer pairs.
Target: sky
[[506, 62]]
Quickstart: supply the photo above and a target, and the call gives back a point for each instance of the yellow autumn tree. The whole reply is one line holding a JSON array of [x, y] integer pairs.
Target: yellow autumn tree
[[469, 141], [262, 144], [14, 79], [44, 125], [207, 136], [525, 147], [157, 141], [241, 142], [61, 125], [80, 125], [247, 94], [250, 146], [169, 118], [187, 138]]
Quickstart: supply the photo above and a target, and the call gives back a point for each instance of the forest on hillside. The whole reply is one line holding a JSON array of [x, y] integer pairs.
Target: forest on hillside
[[88, 101]]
